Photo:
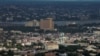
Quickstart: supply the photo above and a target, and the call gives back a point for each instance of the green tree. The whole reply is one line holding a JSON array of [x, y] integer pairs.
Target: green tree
[[3, 53], [10, 53], [19, 46]]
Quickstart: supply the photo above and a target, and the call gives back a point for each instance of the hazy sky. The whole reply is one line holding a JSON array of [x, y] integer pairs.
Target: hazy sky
[[71, 0], [52, 0]]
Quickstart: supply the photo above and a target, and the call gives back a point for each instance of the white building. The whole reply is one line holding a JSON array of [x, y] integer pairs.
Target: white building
[[62, 38], [32, 23], [51, 46]]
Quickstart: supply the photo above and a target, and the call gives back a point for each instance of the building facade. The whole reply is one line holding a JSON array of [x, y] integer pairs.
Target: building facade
[[47, 24]]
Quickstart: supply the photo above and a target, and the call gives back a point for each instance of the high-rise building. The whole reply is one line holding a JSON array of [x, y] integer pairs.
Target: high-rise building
[[47, 24], [33, 23]]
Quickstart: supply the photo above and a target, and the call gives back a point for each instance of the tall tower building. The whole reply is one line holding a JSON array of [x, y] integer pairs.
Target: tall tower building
[[47, 24], [62, 38]]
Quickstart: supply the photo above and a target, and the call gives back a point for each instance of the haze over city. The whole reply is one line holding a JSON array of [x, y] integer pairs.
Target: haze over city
[[49, 28]]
